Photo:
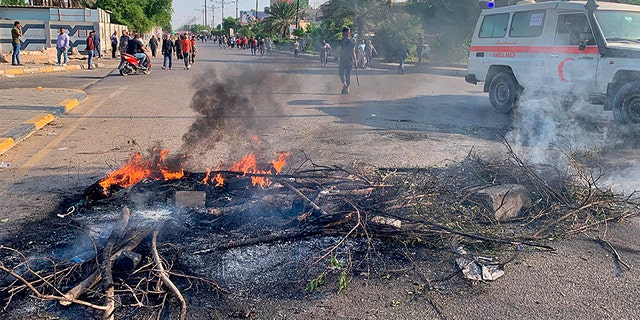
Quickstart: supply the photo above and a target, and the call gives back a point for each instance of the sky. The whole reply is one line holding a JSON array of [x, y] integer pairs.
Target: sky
[[185, 10]]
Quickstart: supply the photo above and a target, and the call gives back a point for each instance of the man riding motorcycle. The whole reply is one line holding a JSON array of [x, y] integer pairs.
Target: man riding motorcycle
[[137, 49]]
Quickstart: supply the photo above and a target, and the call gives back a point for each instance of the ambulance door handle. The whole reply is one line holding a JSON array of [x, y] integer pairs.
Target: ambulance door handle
[[554, 56], [586, 58]]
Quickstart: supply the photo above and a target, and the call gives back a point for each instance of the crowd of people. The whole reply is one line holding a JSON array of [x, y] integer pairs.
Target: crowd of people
[[262, 45], [183, 46]]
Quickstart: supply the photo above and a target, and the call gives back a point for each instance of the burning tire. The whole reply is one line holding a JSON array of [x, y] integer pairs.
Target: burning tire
[[503, 92], [626, 104]]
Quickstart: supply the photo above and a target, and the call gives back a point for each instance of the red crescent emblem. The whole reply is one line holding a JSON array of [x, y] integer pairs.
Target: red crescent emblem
[[561, 66]]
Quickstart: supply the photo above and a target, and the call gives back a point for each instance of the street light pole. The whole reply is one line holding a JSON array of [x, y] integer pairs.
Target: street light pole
[[205, 13], [236, 9], [297, 14], [256, 10]]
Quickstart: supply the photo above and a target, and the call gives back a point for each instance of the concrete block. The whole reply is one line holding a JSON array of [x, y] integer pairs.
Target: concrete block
[[506, 201], [190, 199]]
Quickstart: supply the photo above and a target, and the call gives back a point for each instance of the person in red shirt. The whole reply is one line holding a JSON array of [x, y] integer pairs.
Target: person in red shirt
[[91, 47], [185, 45]]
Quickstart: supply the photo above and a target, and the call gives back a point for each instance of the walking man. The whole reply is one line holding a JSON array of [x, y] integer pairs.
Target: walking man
[[124, 41], [324, 53], [96, 42], [402, 52], [16, 33], [62, 47], [167, 51], [153, 43], [369, 50], [296, 48], [185, 45], [91, 47], [347, 59], [114, 44]]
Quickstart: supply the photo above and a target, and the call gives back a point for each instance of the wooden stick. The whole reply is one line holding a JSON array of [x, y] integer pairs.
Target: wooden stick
[[107, 263], [95, 277], [46, 296], [164, 276], [305, 198]]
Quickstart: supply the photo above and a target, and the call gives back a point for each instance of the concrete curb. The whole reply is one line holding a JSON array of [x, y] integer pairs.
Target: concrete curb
[[34, 124], [47, 69]]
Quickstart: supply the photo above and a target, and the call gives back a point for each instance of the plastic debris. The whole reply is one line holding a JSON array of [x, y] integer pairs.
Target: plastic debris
[[480, 268], [4, 165]]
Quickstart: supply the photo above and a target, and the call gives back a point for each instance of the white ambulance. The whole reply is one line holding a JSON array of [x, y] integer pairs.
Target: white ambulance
[[583, 49]]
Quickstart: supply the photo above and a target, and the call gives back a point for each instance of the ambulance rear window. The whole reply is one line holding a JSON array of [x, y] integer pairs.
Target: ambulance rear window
[[527, 24], [494, 26]]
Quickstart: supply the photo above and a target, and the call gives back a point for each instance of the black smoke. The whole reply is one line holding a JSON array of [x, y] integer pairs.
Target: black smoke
[[235, 106]]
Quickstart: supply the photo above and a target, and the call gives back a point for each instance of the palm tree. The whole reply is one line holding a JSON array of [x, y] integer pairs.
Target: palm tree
[[281, 16], [364, 13]]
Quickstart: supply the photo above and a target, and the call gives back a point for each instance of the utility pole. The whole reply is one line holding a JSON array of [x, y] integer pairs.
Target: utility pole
[[205, 13], [236, 9], [256, 10], [297, 14]]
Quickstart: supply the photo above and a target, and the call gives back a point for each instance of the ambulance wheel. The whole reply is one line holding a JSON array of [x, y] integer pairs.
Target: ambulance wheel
[[626, 104], [503, 92]]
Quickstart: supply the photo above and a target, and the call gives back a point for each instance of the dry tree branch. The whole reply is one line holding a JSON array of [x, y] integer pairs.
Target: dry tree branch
[[305, 198], [42, 296], [344, 238], [164, 275]]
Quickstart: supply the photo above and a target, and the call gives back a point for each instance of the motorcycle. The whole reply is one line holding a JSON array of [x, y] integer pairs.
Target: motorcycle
[[129, 64]]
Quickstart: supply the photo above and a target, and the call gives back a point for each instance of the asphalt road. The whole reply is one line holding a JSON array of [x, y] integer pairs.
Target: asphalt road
[[409, 120]]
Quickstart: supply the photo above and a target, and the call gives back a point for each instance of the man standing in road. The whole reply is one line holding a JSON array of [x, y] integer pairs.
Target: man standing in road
[[185, 46], [296, 48], [16, 33], [402, 52], [347, 59], [153, 43], [62, 47], [91, 47], [114, 44], [124, 41], [167, 51], [96, 43]]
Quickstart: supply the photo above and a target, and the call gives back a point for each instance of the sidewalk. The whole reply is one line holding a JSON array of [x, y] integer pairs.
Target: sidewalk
[[24, 111], [7, 70]]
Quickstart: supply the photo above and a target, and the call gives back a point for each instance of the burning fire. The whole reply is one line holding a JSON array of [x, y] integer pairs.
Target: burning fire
[[138, 168], [249, 165]]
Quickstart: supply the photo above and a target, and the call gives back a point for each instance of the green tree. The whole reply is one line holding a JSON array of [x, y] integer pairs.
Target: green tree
[[197, 28], [14, 2], [281, 16], [230, 23], [138, 15], [448, 25], [391, 31], [366, 14]]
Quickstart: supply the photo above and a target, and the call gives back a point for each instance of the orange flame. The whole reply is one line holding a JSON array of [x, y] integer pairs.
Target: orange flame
[[138, 168], [248, 165]]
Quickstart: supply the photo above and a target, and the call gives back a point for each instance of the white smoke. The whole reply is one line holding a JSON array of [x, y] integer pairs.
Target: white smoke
[[546, 128]]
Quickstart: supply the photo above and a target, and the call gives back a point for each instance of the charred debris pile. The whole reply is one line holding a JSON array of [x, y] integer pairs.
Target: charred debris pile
[[140, 237]]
